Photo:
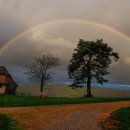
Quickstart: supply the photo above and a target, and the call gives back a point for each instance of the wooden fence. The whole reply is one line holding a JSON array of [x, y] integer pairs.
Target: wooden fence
[[27, 94]]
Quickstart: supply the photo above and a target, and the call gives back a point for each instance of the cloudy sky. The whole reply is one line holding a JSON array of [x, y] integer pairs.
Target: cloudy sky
[[32, 27]]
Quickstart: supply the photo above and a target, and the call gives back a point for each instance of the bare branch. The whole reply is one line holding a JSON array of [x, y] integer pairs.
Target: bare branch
[[39, 70]]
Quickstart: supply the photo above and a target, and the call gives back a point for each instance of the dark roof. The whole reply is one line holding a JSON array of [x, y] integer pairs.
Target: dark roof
[[4, 71]]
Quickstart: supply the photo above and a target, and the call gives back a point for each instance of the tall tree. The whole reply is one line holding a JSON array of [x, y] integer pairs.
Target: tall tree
[[39, 70], [91, 59]]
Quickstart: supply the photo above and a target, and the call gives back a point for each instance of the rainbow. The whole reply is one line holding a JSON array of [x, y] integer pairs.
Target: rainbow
[[65, 20]]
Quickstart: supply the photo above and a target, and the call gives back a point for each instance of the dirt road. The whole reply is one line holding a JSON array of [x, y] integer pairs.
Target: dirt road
[[64, 117]]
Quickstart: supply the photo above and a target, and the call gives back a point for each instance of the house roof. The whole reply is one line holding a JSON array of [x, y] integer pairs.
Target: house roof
[[4, 71]]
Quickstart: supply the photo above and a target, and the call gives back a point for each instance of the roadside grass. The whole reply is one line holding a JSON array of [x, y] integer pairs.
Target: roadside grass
[[6, 123], [20, 101], [123, 116]]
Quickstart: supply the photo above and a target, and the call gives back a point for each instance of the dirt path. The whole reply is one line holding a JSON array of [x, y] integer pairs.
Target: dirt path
[[64, 117]]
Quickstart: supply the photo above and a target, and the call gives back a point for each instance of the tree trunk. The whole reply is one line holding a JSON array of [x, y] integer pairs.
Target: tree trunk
[[41, 88], [89, 78], [89, 87]]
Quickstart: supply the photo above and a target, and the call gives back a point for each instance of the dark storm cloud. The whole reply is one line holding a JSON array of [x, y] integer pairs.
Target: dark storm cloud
[[17, 16]]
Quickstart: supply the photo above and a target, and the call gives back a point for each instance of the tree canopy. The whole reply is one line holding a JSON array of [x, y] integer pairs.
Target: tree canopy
[[91, 59]]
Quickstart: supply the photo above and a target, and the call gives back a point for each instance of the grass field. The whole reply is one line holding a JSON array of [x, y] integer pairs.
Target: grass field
[[19, 101], [123, 116], [6, 123], [61, 90]]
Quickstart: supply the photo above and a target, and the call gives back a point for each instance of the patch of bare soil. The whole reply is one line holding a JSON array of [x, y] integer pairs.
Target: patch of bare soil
[[64, 117]]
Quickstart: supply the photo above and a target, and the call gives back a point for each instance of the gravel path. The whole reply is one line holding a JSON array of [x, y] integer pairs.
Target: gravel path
[[64, 117], [78, 120]]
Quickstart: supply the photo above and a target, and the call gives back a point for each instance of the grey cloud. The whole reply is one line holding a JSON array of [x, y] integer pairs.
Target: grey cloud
[[60, 39], [17, 16]]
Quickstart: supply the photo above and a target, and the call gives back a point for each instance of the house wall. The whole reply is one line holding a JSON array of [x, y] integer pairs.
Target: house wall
[[2, 89], [3, 79]]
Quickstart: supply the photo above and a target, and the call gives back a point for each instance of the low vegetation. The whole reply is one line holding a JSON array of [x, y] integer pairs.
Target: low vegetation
[[6, 123], [123, 117], [19, 101]]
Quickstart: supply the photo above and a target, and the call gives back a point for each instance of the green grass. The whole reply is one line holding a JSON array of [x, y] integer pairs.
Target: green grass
[[123, 116], [17, 101], [6, 123]]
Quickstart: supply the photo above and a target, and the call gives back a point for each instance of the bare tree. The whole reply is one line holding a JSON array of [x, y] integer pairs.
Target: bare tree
[[39, 70]]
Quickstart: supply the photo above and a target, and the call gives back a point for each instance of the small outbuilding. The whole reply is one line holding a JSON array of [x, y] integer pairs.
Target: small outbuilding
[[7, 82]]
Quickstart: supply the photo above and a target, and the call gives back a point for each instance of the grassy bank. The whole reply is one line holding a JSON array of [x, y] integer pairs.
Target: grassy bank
[[17, 101], [6, 123], [123, 116]]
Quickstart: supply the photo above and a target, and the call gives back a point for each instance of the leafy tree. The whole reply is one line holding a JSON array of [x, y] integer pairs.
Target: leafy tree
[[91, 59], [39, 70]]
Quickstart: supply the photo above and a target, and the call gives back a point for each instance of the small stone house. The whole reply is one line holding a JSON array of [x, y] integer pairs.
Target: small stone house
[[7, 82]]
